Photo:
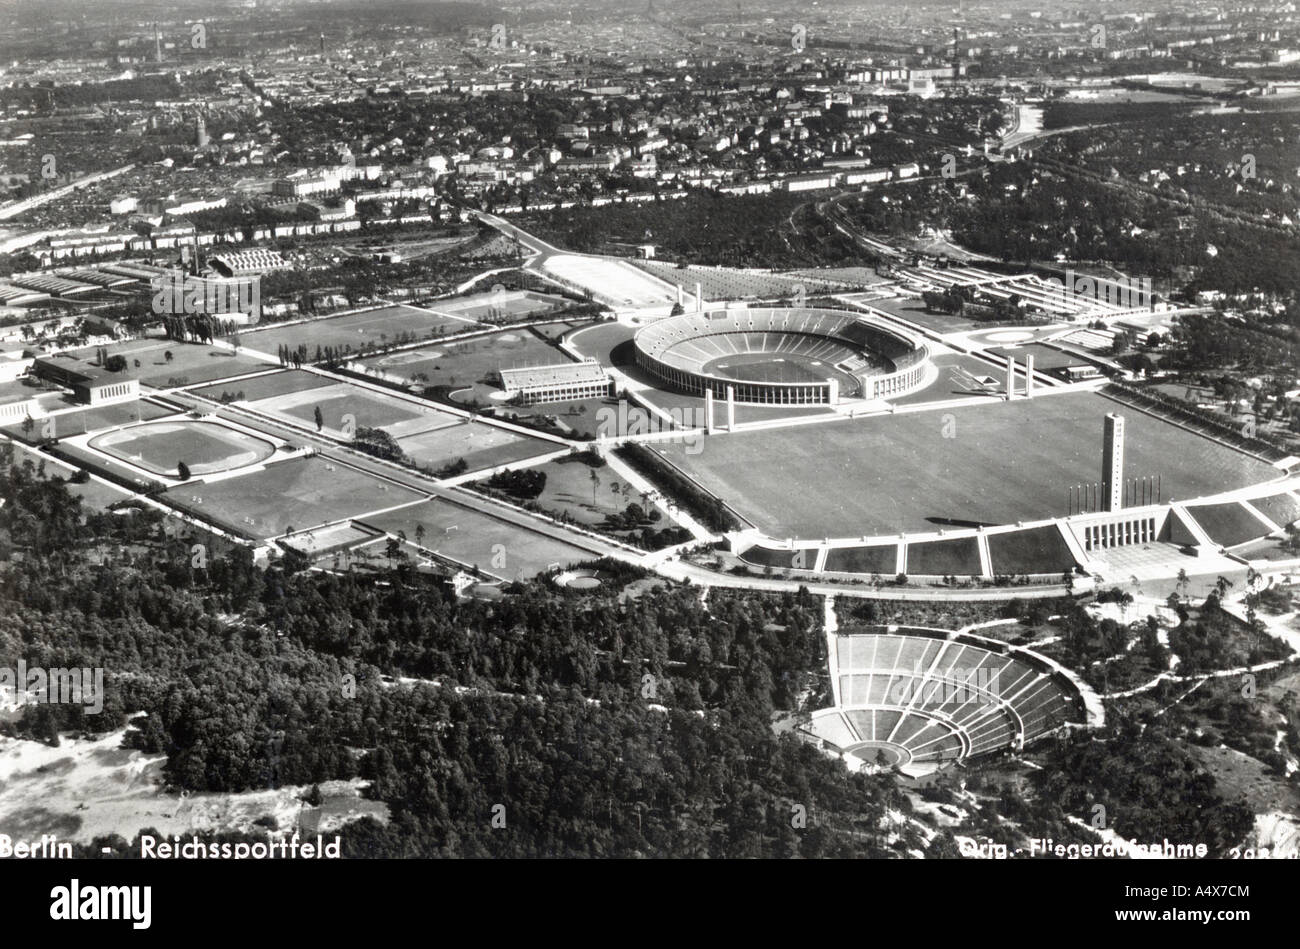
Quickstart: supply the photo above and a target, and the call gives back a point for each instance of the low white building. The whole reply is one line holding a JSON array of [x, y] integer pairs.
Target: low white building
[[563, 382]]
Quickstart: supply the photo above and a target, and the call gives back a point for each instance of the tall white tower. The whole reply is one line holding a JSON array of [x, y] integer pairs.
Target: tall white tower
[[1112, 462]]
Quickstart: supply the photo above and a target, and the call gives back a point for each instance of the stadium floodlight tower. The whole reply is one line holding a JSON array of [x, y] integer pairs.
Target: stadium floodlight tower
[[1112, 462]]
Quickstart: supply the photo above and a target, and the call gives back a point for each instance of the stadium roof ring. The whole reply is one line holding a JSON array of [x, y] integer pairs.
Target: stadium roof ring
[[786, 356]]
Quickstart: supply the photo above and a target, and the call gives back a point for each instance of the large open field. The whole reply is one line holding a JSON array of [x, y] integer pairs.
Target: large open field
[[726, 283], [501, 549], [204, 447], [370, 327], [768, 367], [296, 494], [268, 385], [93, 419], [570, 490], [190, 363], [482, 446], [463, 364], [1001, 463], [366, 408], [617, 281], [506, 305]]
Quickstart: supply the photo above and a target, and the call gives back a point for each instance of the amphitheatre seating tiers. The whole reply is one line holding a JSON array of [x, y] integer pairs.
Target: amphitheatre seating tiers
[[926, 696]]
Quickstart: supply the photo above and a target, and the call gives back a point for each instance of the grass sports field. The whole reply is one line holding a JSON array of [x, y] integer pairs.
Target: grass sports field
[[501, 549], [462, 364], [482, 446], [765, 367], [997, 463], [269, 385], [367, 409], [205, 447], [509, 304], [370, 327], [298, 494], [191, 363]]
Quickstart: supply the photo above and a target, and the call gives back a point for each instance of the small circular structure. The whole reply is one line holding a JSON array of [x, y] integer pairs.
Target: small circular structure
[[1009, 336], [884, 753], [578, 579]]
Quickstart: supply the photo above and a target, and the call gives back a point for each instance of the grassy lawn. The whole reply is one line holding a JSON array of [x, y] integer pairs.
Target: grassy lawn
[[501, 549], [939, 558], [578, 417], [368, 409], [1228, 524], [482, 446], [462, 364], [1281, 509], [297, 494], [269, 386], [727, 284], [914, 310], [95, 419], [569, 491], [1004, 462], [204, 447], [1037, 550], [881, 560], [368, 328], [510, 304], [190, 363]]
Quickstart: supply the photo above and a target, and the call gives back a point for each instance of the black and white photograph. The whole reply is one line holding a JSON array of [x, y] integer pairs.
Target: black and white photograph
[[610, 437]]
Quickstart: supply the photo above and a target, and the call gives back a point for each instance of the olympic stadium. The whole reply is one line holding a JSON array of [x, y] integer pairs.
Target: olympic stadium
[[782, 356]]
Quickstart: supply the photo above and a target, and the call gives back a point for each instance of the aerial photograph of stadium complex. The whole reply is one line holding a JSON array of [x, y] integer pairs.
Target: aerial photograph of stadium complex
[[633, 429]]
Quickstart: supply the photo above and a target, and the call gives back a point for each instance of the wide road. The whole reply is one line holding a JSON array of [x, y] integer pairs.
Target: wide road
[[681, 570], [535, 244]]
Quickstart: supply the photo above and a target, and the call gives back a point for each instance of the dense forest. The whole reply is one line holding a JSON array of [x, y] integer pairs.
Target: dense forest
[[1151, 199], [706, 228], [1141, 784]]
